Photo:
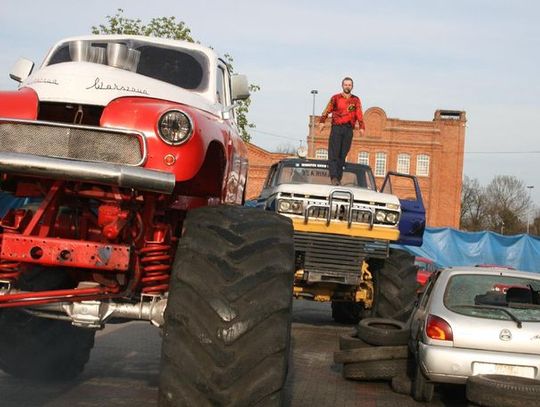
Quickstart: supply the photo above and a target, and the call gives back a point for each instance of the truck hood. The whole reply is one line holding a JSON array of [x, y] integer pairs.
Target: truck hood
[[95, 84], [322, 191]]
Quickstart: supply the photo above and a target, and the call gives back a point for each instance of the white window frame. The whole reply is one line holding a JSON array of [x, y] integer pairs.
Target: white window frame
[[380, 170], [363, 157], [422, 165], [403, 163], [321, 154]]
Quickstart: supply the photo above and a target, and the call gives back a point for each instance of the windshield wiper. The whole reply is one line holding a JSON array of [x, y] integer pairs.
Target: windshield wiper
[[506, 311]]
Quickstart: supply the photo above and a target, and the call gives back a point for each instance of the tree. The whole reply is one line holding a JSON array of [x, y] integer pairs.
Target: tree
[[502, 206], [169, 27], [509, 203], [474, 206]]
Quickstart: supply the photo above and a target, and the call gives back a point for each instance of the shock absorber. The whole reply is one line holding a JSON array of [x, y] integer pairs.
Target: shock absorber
[[156, 264]]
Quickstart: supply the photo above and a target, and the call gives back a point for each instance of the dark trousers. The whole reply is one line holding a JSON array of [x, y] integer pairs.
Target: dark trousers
[[339, 144]]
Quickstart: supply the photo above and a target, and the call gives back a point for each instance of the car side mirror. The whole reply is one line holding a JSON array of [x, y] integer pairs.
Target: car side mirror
[[21, 70], [240, 87]]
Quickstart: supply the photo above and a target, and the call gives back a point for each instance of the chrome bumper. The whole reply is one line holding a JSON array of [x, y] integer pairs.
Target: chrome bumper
[[100, 173]]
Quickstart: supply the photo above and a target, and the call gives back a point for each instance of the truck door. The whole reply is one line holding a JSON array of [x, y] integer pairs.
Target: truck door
[[413, 213]]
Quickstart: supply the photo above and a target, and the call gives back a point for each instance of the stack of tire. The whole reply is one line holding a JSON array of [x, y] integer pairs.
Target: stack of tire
[[376, 350]]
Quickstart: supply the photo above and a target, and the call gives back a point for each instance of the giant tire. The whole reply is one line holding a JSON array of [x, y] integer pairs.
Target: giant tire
[[39, 348], [228, 317], [395, 286]]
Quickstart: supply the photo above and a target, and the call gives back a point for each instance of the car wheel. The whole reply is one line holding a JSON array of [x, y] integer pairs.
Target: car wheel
[[228, 318], [383, 332], [503, 391], [422, 389]]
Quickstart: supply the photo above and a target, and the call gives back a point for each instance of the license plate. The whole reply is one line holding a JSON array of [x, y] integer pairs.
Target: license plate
[[509, 370]]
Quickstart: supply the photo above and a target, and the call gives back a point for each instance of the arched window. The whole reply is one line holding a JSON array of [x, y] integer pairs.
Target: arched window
[[403, 163], [363, 157], [380, 164], [422, 165], [321, 154]]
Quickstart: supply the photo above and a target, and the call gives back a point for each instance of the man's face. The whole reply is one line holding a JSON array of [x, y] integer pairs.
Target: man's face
[[347, 86]]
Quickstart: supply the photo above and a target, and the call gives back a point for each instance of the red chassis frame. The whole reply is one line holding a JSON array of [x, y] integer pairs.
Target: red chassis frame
[[128, 241]]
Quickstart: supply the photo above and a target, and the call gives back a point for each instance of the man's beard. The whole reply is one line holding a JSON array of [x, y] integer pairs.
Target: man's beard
[[347, 91]]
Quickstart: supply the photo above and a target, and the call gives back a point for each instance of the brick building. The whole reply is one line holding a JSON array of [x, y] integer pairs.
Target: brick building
[[431, 150]]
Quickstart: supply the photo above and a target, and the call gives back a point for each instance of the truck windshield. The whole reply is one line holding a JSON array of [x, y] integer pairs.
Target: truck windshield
[[317, 173], [185, 68]]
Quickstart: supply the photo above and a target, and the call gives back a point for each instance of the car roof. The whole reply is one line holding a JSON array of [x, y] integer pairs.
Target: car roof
[[151, 40], [490, 271]]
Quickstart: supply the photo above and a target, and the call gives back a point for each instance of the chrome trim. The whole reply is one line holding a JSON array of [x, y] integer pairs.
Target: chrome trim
[[349, 209], [136, 133], [124, 176]]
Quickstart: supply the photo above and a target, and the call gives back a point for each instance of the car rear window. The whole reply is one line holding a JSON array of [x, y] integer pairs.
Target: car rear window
[[494, 296]]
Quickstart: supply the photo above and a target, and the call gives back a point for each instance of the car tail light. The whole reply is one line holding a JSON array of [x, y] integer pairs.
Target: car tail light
[[438, 328]]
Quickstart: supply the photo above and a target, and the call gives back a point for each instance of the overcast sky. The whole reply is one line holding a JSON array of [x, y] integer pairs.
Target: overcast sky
[[408, 57]]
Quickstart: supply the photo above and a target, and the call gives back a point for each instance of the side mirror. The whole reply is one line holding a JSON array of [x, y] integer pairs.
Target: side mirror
[[21, 70], [240, 87]]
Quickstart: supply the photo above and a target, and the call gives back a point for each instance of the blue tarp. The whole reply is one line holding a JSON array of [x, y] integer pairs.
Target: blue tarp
[[451, 247]]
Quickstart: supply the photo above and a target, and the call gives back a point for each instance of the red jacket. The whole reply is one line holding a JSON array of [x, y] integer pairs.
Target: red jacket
[[344, 110]]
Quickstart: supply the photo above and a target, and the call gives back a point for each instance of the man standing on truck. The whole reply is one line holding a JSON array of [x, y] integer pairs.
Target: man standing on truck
[[346, 110]]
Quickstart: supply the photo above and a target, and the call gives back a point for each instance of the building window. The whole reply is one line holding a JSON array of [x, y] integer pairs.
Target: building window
[[422, 165], [363, 157], [321, 154], [380, 164], [403, 163]]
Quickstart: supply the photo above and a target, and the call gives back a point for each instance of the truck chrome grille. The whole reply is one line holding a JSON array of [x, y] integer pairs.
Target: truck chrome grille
[[330, 253], [339, 212], [72, 142]]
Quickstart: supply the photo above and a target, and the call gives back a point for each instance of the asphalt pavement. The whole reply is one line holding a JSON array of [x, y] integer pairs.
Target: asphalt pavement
[[124, 367]]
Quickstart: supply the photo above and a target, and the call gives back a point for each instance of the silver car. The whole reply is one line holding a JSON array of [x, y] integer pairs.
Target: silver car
[[475, 320]]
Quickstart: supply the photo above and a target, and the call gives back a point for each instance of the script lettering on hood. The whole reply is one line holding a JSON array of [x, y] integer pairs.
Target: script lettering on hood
[[99, 84]]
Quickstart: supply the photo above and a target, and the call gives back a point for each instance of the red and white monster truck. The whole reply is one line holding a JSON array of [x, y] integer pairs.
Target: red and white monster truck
[[127, 150]]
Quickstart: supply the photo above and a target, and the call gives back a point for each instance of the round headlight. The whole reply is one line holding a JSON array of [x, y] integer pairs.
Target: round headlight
[[391, 217], [175, 127], [297, 206], [284, 206], [380, 216]]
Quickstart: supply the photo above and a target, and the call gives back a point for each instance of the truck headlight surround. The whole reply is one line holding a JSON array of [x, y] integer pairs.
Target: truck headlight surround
[[175, 127], [380, 216], [391, 217], [284, 205], [297, 207]]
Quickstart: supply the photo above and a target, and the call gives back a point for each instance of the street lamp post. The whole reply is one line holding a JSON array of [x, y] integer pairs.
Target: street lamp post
[[529, 187], [314, 92]]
